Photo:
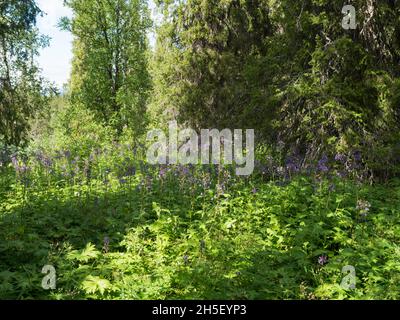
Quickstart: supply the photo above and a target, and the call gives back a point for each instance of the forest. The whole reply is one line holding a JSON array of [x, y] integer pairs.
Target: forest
[[310, 89]]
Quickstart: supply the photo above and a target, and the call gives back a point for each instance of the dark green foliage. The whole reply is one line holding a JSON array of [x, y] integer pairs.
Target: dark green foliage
[[286, 68], [22, 92], [207, 61]]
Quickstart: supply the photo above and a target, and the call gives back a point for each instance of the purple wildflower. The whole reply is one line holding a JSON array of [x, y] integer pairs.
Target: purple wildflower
[[162, 173], [322, 167], [46, 161], [14, 160], [340, 157], [23, 169], [43, 159], [357, 155], [184, 170], [322, 260], [322, 164], [292, 164], [131, 170], [292, 167]]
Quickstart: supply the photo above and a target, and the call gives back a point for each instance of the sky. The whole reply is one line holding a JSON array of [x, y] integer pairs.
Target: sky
[[55, 60]]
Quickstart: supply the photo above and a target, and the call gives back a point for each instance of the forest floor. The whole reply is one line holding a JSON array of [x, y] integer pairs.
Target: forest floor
[[197, 234]]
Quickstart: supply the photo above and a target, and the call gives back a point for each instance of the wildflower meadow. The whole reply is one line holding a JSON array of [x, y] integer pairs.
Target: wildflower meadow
[[199, 150]]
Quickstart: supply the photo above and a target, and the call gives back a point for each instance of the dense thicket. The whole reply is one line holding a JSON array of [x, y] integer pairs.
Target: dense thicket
[[286, 68], [21, 88]]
